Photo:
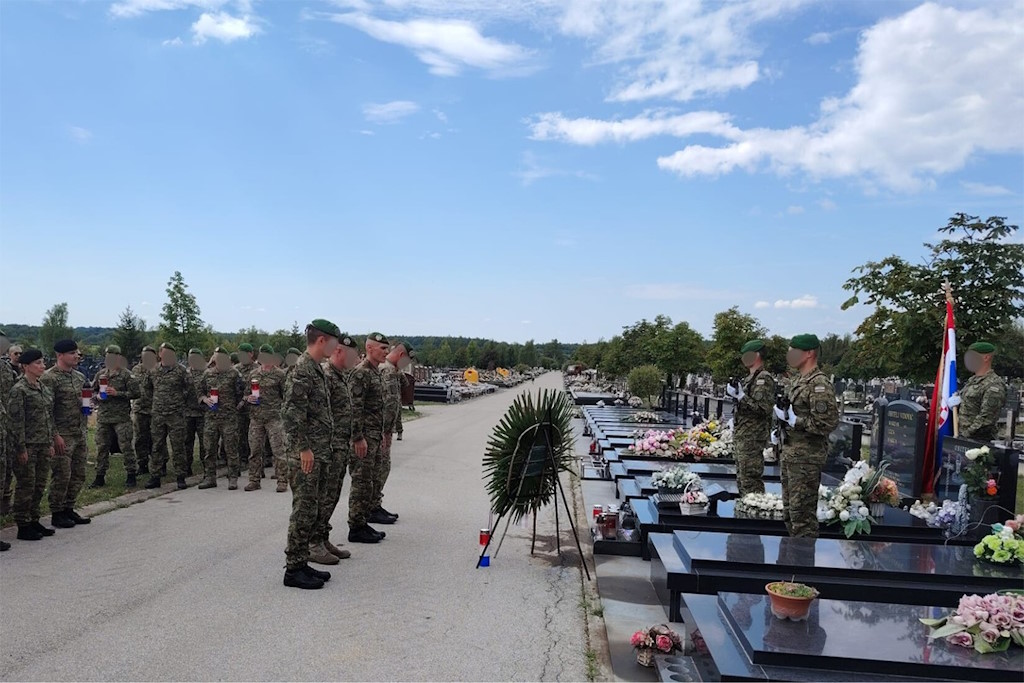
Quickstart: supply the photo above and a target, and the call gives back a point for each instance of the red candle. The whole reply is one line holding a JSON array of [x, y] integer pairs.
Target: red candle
[[485, 536]]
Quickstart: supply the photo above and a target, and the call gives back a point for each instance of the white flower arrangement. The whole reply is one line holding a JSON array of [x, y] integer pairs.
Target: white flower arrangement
[[760, 506], [769, 455], [975, 453], [938, 516], [635, 402], [643, 416], [847, 504], [677, 478], [723, 448]]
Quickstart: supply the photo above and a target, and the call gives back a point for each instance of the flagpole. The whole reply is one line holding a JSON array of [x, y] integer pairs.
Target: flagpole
[[956, 409]]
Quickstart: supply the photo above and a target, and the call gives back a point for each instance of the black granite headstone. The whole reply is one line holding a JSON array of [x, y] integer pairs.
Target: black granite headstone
[[903, 444], [1004, 470], [843, 447]]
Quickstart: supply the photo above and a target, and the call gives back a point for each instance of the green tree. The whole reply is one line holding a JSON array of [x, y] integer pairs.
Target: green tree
[[774, 354], [732, 330], [903, 334], [833, 349], [528, 354], [130, 334], [296, 337], [679, 350], [251, 335], [444, 357], [54, 328], [1009, 359], [181, 324], [553, 350], [473, 354], [460, 359], [645, 381]]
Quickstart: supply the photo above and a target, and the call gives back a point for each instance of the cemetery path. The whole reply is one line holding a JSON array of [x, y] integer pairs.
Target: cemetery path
[[187, 586]]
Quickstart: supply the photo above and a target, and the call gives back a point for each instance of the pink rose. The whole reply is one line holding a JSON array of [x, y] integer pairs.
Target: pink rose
[[1002, 621], [990, 634], [637, 639], [1013, 524], [1017, 614], [664, 643], [963, 639], [967, 619]]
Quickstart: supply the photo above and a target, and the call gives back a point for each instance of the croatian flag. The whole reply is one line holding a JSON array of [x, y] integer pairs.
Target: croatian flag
[[940, 420]]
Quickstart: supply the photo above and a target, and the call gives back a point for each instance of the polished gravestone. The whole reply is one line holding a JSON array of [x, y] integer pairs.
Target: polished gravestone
[[903, 445], [844, 445], [840, 640]]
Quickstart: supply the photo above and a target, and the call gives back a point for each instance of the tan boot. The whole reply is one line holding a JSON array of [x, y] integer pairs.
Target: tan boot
[[318, 554], [336, 551], [282, 486], [252, 486]]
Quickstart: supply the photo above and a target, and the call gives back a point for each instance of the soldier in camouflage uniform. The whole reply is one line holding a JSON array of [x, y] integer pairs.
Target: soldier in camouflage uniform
[[246, 366], [221, 428], [291, 358], [32, 430], [171, 391], [8, 377], [195, 415], [811, 417], [114, 418], [983, 396], [265, 420], [309, 432], [393, 375], [755, 397], [368, 430], [338, 369], [67, 466], [142, 410]]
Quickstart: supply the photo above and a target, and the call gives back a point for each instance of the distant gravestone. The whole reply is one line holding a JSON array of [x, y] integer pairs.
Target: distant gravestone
[[903, 444], [954, 461], [877, 427], [843, 447]]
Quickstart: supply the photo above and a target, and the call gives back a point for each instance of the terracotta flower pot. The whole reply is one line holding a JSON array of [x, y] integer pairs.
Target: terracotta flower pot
[[788, 607]]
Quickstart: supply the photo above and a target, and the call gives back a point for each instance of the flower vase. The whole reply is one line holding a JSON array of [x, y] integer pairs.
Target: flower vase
[[645, 657], [877, 510]]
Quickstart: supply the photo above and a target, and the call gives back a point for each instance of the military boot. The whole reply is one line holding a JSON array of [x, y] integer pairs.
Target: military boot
[[75, 517], [99, 482], [153, 483], [27, 532], [232, 483], [363, 534], [378, 516], [61, 520], [319, 554], [282, 486], [130, 481], [182, 484], [209, 483], [4, 546], [297, 578], [316, 573], [336, 551], [253, 486], [45, 531]]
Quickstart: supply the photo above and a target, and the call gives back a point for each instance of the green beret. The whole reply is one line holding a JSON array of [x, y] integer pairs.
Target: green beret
[[805, 342], [195, 352], [752, 345], [221, 349], [149, 348], [114, 349], [349, 342], [30, 356], [245, 346], [234, 358], [378, 337], [327, 327], [266, 348], [292, 351], [982, 347], [169, 346]]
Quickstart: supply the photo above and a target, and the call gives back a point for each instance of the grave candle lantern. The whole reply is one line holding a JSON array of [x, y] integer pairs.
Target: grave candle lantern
[[214, 398], [103, 388], [86, 401], [256, 391]]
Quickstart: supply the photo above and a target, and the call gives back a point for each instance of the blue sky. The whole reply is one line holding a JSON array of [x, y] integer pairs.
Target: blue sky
[[514, 170]]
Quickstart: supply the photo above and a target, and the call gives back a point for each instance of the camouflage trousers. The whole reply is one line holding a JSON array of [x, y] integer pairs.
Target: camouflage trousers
[[106, 434], [164, 428], [243, 436], [67, 472], [307, 494], [260, 432], [749, 467], [221, 431], [143, 437], [331, 494], [193, 433], [383, 471], [8, 480], [363, 492], [800, 482], [5, 469], [30, 483]]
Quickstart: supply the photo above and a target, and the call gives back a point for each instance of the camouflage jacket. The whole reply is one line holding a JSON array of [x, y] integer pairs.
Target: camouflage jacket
[[341, 405], [306, 412], [8, 378], [144, 403], [230, 391], [115, 409], [982, 399], [393, 378], [368, 402], [197, 409], [66, 387], [31, 414], [271, 394], [753, 417], [170, 390], [814, 402], [246, 370]]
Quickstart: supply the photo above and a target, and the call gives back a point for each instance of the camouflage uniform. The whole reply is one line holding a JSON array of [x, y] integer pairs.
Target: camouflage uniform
[[195, 418], [308, 425], [245, 370], [142, 416], [114, 419], [265, 423], [32, 431], [170, 391], [982, 399], [368, 422], [752, 424], [221, 426], [341, 445], [814, 402], [67, 472], [8, 378]]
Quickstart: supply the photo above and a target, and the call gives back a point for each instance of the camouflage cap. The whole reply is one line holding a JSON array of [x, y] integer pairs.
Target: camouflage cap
[[245, 346], [805, 342], [292, 351], [752, 345], [982, 347], [65, 346], [348, 341], [327, 327], [266, 348], [377, 337], [149, 348], [30, 356], [195, 352], [113, 348], [169, 346]]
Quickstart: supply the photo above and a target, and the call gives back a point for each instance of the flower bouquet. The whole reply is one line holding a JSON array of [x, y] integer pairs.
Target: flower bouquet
[[655, 443], [846, 504], [759, 506], [988, 624], [886, 493], [977, 475], [694, 502], [675, 482], [658, 638], [643, 416], [1005, 545], [635, 401], [722, 448], [940, 517]]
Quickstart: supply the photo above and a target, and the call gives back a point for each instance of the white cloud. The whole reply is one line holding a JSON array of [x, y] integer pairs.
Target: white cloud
[[173, 42], [761, 304], [389, 112], [827, 204], [366, 132], [586, 131], [984, 190], [441, 116], [794, 210], [820, 38], [669, 291], [223, 27], [446, 46], [533, 169], [805, 301], [79, 134], [133, 8]]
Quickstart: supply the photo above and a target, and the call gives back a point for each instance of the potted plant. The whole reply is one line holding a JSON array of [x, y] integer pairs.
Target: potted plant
[[791, 600], [885, 493], [658, 638]]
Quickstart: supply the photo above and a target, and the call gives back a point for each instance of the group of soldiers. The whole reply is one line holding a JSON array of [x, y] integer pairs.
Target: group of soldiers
[[801, 417], [312, 416]]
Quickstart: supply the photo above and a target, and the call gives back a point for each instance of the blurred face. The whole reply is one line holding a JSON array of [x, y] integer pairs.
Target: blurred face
[[352, 357], [110, 360], [196, 362], [222, 361], [973, 361], [267, 360], [337, 359], [749, 359], [148, 360], [168, 358], [35, 369], [795, 357], [291, 359]]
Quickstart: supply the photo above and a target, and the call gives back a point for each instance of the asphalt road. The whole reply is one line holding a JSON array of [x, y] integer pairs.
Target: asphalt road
[[187, 586]]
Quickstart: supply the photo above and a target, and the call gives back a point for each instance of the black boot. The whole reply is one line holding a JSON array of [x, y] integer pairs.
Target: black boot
[[143, 468], [76, 518], [4, 546], [389, 514], [130, 481], [298, 578], [45, 531], [378, 516], [28, 532], [163, 471], [99, 482], [153, 483], [61, 520], [182, 484], [363, 534], [316, 573]]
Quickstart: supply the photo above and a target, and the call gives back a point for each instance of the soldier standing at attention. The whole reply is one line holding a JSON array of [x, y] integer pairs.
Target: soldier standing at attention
[[246, 366], [811, 417], [67, 466], [338, 369], [223, 392], [172, 391], [195, 414], [265, 420], [309, 430], [393, 375], [368, 424], [983, 396], [8, 377], [755, 397], [142, 409], [32, 431], [114, 418]]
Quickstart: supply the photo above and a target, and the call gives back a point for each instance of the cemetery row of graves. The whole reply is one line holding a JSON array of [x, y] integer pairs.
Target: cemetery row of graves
[[886, 577]]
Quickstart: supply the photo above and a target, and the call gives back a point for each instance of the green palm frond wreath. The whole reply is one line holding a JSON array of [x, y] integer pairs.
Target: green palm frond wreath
[[516, 462]]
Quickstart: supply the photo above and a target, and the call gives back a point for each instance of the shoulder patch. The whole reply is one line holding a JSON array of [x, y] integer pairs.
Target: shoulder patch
[[760, 382], [819, 389]]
